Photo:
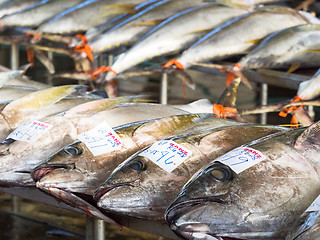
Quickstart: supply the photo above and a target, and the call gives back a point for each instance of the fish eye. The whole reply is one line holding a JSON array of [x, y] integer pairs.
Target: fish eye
[[74, 151], [137, 166], [221, 173]]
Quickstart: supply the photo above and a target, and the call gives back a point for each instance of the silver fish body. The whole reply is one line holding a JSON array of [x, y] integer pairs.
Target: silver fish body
[[140, 188], [16, 165], [296, 45], [239, 36], [306, 228], [12, 6], [92, 14], [36, 15], [260, 202], [310, 89], [175, 34], [132, 29]]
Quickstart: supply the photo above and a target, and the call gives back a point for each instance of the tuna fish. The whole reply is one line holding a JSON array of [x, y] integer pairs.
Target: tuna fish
[[89, 171], [140, 188], [18, 158], [256, 191], [167, 38], [132, 29]]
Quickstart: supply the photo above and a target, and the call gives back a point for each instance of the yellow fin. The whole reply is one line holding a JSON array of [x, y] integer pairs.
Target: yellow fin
[[128, 6], [310, 51], [37, 100], [203, 31], [254, 41], [293, 67], [148, 23]]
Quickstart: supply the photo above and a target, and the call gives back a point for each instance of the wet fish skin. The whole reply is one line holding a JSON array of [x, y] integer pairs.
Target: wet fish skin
[[12, 6], [34, 16], [261, 202], [148, 191], [240, 35], [75, 121], [97, 12], [166, 37], [310, 89], [306, 228], [132, 29], [295, 45]]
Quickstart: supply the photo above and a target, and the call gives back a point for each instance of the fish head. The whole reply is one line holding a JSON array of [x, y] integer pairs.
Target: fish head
[[67, 168], [139, 188], [260, 202]]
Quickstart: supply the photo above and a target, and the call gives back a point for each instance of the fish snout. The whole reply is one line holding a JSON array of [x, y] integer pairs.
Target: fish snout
[[40, 171], [101, 191]]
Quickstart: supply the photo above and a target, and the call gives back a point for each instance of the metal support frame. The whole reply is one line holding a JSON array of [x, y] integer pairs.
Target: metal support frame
[[263, 102], [164, 89], [14, 62]]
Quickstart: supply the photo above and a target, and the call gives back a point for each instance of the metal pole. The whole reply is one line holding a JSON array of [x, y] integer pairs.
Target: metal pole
[[89, 227], [15, 201], [263, 102], [164, 89], [98, 229]]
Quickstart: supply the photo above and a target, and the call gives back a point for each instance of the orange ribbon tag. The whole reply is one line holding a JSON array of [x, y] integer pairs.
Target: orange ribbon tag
[[173, 62], [84, 47], [30, 56], [101, 69], [230, 76], [36, 36], [285, 111], [220, 110]]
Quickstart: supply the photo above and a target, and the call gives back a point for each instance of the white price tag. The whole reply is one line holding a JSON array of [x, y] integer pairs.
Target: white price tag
[[315, 206], [241, 158], [101, 139], [166, 154], [30, 131]]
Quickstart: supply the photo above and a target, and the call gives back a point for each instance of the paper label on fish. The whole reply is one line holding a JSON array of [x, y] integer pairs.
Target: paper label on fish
[[30, 131], [241, 158], [101, 139], [315, 206], [166, 154]]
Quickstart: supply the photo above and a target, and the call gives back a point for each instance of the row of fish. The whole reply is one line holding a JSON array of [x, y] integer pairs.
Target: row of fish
[[123, 157], [201, 30]]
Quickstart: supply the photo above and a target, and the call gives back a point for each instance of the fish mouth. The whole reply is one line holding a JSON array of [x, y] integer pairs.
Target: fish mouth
[[100, 192], [41, 171], [176, 210]]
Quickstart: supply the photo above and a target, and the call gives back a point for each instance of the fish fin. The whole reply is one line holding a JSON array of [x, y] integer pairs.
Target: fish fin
[[186, 78], [203, 31], [40, 99], [149, 23], [310, 51], [127, 6], [254, 40], [293, 67], [235, 4], [229, 95], [104, 104], [310, 136]]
